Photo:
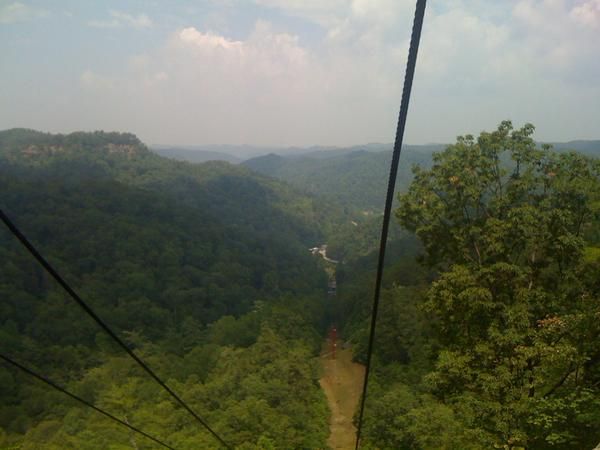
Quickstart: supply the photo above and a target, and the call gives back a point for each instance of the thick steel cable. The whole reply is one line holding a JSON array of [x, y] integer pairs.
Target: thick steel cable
[[15, 231], [408, 80], [79, 399]]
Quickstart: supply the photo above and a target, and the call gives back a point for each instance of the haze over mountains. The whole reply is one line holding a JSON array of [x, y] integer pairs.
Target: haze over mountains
[[352, 176], [238, 153]]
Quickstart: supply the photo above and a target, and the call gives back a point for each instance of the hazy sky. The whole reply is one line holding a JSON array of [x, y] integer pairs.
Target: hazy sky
[[298, 72]]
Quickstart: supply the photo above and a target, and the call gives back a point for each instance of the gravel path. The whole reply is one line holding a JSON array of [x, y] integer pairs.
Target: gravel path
[[342, 383]]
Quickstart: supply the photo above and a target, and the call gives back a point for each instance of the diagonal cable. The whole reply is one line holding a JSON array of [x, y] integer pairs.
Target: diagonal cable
[[408, 79], [79, 399], [15, 231]]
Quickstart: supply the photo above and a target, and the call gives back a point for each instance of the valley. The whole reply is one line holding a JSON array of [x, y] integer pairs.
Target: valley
[[203, 269]]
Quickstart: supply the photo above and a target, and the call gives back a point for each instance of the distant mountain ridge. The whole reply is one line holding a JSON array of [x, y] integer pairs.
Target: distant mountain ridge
[[354, 178], [357, 176], [238, 153], [586, 147], [195, 156]]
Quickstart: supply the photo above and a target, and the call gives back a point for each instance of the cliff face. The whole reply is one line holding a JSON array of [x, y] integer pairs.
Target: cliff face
[[19, 143]]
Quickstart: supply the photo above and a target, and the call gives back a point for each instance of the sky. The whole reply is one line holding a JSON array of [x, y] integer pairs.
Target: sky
[[299, 72]]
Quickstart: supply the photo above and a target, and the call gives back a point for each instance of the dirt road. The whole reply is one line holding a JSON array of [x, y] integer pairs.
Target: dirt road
[[342, 383]]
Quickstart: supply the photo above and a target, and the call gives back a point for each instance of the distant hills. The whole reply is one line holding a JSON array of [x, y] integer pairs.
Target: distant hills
[[589, 148], [231, 153], [353, 178], [238, 153], [356, 177], [195, 156]]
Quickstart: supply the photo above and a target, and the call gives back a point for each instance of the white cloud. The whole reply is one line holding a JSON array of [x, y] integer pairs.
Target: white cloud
[[554, 41], [139, 21], [530, 62], [121, 19], [19, 12], [263, 54], [92, 80], [479, 62], [208, 40], [587, 13], [225, 89]]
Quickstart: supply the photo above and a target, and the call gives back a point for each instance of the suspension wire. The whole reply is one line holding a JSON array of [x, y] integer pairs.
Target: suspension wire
[[15, 231], [408, 79], [79, 399]]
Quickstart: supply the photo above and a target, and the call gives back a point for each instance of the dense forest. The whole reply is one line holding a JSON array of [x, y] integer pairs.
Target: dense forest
[[492, 340], [488, 332], [203, 269], [352, 179], [355, 176]]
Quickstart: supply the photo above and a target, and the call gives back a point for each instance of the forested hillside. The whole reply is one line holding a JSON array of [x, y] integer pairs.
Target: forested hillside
[[202, 269], [488, 336], [353, 179]]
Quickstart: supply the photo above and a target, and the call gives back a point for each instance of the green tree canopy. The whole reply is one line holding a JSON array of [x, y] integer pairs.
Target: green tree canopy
[[517, 304]]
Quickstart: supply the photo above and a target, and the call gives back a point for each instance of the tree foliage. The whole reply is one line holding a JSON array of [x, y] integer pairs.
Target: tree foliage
[[202, 269], [516, 306]]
